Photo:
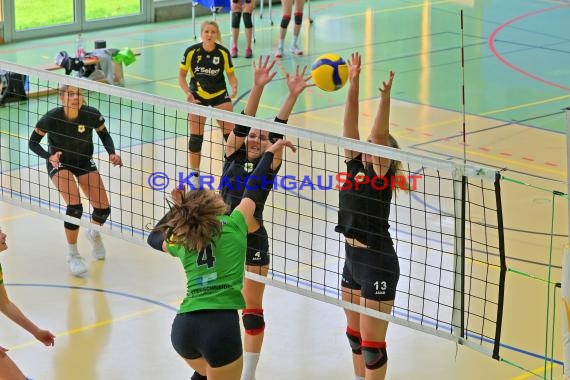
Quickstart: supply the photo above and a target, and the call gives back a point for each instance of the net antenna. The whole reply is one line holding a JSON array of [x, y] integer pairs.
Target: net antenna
[[460, 191], [566, 272]]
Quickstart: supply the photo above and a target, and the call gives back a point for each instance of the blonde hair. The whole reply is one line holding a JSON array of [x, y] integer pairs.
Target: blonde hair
[[215, 25], [193, 220]]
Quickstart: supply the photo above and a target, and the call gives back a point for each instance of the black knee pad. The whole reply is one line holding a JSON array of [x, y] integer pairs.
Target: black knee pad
[[226, 135], [75, 211], [285, 21], [374, 357], [247, 20], [195, 143], [253, 321], [236, 18], [100, 215], [197, 376], [354, 340], [298, 18]]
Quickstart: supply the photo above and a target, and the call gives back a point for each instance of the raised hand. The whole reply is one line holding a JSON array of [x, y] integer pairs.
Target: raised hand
[[281, 143], [298, 82], [354, 66], [262, 71], [387, 86]]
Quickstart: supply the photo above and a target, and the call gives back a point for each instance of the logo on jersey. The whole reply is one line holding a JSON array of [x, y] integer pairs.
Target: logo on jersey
[[80, 128], [206, 71], [248, 167], [199, 59], [216, 60]]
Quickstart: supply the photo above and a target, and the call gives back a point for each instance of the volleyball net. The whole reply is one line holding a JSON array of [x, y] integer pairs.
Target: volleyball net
[[447, 231]]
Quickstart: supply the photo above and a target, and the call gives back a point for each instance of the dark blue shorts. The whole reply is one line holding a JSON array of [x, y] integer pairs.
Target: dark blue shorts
[[216, 101], [211, 334], [374, 272], [257, 248], [76, 168]]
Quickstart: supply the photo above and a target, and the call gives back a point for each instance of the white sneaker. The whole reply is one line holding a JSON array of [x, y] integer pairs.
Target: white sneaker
[[195, 181], [279, 52], [294, 49], [96, 241], [76, 265]]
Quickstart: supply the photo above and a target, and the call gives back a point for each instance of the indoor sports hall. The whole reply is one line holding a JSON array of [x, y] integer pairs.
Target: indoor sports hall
[[478, 108]]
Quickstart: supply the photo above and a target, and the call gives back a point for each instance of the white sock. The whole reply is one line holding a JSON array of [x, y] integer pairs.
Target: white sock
[[280, 45], [72, 249], [358, 378], [250, 360], [294, 41]]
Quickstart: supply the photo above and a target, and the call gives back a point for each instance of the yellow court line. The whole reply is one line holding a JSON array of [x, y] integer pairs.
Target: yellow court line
[[532, 374], [17, 216], [92, 326]]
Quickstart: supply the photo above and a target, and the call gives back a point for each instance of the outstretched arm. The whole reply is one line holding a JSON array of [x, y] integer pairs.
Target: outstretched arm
[[351, 108], [261, 76], [15, 314], [296, 83], [255, 187], [380, 133]]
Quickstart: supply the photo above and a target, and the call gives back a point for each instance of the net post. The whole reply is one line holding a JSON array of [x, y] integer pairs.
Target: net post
[[566, 271], [459, 191]]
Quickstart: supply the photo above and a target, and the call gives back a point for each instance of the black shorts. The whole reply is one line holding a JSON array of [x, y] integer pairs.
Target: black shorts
[[374, 272], [257, 248], [211, 334], [77, 168], [213, 102]]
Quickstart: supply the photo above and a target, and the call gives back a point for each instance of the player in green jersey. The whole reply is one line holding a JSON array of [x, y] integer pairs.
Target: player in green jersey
[[211, 247]]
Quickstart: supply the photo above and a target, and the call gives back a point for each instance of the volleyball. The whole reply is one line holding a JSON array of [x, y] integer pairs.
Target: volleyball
[[329, 72]]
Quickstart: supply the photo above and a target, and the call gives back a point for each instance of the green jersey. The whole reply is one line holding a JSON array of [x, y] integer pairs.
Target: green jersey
[[1, 275], [215, 275]]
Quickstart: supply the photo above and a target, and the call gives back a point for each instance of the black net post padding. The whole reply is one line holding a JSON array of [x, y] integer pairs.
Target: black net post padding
[[503, 270]]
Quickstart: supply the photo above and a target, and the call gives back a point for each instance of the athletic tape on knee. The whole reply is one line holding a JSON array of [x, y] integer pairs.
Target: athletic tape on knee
[[298, 18], [285, 21], [195, 143], [374, 354], [236, 19], [355, 340], [253, 321], [75, 211], [100, 215], [247, 20]]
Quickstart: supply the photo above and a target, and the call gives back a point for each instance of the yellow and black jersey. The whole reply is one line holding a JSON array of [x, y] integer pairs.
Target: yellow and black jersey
[[207, 69]]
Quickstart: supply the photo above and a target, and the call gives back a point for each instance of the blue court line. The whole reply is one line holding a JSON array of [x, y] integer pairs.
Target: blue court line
[[415, 318], [114, 292]]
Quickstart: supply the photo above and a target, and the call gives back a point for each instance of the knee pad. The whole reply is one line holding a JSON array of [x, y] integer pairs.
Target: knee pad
[[285, 21], [226, 135], [195, 143], [298, 18], [236, 18], [253, 321], [374, 353], [247, 20], [355, 340], [100, 215], [75, 211]]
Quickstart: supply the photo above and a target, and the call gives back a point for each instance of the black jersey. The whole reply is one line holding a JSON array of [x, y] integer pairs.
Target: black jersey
[[363, 214], [74, 138], [236, 169], [207, 69]]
